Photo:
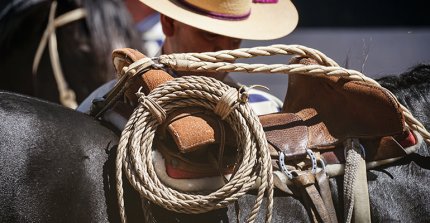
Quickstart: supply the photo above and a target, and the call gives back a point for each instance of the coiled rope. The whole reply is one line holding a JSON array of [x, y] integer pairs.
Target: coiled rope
[[253, 162], [135, 148]]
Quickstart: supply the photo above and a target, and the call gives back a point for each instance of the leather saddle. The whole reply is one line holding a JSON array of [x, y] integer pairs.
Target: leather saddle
[[319, 113]]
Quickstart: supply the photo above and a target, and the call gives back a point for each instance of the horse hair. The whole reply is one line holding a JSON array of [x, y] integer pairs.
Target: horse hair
[[412, 89], [84, 46], [107, 23]]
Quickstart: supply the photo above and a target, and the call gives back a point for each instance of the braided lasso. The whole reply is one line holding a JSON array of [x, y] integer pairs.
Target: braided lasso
[[135, 148]]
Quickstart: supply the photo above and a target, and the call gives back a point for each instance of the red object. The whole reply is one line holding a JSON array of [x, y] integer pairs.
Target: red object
[[183, 174], [408, 141]]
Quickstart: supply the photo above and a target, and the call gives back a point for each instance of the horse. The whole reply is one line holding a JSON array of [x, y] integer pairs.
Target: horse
[[84, 45], [58, 165]]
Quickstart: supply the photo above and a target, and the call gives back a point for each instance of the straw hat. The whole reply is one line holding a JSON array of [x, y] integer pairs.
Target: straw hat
[[243, 19]]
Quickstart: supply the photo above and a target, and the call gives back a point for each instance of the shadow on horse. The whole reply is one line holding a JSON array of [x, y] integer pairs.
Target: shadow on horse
[[59, 165], [84, 45]]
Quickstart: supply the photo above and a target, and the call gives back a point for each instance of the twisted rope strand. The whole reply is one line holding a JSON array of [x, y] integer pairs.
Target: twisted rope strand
[[230, 55]]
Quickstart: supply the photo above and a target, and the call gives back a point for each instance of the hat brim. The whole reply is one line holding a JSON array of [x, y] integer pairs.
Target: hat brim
[[266, 21]]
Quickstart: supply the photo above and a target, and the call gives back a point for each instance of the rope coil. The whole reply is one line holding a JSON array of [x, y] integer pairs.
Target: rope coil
[[135, 151]]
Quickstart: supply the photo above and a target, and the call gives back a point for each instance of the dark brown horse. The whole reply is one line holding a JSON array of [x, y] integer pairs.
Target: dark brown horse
[[84, 45]]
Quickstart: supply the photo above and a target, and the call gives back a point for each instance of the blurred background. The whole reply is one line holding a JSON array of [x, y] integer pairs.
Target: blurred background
[[378, 38]]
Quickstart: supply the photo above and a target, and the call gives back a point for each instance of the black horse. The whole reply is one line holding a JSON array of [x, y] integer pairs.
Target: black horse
[[58, 165], [84, 45]]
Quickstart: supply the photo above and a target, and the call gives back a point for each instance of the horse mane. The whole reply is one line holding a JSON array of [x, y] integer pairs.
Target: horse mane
[[412, 89], [108, 24], [418, 77], [12, 14], [84, 46]]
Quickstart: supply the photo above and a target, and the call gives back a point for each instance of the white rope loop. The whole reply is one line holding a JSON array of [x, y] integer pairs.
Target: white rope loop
[[135, 150]]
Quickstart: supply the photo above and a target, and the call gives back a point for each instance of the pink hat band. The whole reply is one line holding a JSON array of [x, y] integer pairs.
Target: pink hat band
[[223, 9]]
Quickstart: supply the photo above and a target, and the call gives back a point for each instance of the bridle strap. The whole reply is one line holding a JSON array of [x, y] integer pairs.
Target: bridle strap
[[67, 95]]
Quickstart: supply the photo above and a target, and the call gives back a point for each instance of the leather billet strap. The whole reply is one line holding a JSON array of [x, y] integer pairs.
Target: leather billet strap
[[320, 203], [322, 180]]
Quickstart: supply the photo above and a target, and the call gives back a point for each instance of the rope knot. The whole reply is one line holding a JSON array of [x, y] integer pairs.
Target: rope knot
[[228, 101], [154, 108]]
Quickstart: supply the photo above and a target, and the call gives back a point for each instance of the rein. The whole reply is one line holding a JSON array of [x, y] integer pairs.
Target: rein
[[67, 95], [135, 158]]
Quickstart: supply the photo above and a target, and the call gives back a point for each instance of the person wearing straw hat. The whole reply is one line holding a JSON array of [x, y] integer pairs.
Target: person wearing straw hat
[[213, 25]]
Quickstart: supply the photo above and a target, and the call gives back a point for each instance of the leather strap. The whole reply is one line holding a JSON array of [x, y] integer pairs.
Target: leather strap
[[324, 186], [306, 183]]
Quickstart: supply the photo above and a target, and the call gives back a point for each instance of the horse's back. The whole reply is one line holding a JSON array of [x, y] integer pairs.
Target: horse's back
[[52, 162]]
